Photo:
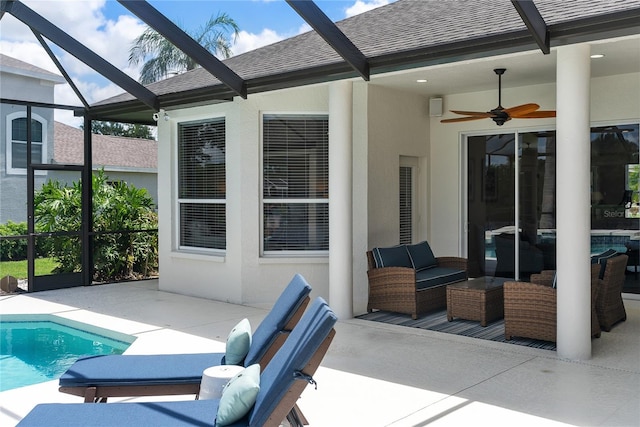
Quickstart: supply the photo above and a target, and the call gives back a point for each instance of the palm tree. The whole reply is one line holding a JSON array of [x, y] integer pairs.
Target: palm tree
[[163, 58]]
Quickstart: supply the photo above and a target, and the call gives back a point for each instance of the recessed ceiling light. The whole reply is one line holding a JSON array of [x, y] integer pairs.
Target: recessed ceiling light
[[597, 56], [421, 81]]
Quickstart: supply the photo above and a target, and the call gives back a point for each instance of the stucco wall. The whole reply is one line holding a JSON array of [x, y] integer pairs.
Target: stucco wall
[[241, 276], [398, 125]]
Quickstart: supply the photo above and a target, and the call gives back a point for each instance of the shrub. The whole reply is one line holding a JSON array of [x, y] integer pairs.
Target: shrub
[[13, 249], [16, 249], [118, 210]]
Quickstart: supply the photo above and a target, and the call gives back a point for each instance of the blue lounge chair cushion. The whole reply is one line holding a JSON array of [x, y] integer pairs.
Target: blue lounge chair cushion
[[238, 343], [175, 414], [238, 396], [276, 320], [121, 370], [292, 358]]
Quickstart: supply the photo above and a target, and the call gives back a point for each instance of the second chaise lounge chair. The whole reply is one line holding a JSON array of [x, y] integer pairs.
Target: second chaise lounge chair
[[281, 384], [100, 377]]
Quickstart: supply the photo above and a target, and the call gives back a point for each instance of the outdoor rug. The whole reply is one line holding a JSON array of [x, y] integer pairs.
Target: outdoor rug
[[437, 321]]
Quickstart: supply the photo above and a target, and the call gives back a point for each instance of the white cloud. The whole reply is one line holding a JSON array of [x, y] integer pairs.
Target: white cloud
[[249, 41], [361, 6], [84, 21]]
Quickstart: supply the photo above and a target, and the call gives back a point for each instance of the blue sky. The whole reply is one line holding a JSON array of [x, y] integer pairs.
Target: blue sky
[[108, 29]]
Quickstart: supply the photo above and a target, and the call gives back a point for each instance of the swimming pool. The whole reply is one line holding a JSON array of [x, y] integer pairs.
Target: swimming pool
[[39, 348]]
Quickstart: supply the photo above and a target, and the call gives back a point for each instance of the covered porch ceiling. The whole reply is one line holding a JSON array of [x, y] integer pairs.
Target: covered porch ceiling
[[621, 56]]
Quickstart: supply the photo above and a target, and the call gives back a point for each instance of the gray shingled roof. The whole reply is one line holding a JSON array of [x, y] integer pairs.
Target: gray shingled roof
[[406, 26], [15, 66], [107, 151]]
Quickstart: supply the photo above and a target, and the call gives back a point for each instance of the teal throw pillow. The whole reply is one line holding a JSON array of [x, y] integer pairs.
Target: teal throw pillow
[[238, 396], [238, 343]]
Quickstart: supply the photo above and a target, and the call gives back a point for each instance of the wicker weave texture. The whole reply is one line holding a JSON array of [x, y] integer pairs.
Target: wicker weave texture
[[530, 308], [394, 288], [609, 306], [483, 305]]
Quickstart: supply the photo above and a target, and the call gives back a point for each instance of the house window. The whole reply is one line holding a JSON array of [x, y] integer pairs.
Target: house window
[[17, 141], [406, 205], [295, 194], [407, 195], [202, 185]]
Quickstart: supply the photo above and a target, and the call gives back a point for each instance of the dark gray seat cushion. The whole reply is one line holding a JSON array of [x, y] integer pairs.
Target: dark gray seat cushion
[[437, 276]]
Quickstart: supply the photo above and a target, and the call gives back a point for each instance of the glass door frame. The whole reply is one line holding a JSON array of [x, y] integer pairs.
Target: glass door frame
[[464, 179]]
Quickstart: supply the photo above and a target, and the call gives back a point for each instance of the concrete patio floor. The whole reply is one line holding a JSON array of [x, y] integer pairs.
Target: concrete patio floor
[[374, 374]]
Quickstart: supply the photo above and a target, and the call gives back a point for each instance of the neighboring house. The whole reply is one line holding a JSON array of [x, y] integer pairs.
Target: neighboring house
[[25, 82], [131, 160]]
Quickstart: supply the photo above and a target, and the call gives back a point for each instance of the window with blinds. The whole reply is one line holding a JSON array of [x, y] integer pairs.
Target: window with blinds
[[202, 184], [17, 147], [295, 193], [406, 205]]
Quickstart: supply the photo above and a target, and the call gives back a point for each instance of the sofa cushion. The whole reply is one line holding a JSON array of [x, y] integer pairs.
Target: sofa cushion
[[421, 256], [437, 276], [602, 260], [396, 256]]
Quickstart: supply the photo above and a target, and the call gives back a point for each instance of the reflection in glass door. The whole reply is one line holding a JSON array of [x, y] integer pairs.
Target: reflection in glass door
[[502, 169]]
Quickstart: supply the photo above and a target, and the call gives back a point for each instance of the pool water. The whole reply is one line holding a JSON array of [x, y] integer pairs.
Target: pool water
[[43, 347]]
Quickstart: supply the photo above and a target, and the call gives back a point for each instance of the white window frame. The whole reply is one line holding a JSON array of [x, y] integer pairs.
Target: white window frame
[[412, 164], [180, 201], [9, 143], [263, 201]]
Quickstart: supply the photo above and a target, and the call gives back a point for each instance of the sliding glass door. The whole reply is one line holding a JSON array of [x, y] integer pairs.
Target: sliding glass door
[[511, 204], [511, 201]]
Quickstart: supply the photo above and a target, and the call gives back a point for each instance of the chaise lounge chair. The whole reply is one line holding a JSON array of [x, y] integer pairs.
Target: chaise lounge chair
[[281, 384], [100, 377]]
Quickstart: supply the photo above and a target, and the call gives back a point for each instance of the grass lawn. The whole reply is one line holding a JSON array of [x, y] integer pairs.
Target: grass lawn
[[18, 269]]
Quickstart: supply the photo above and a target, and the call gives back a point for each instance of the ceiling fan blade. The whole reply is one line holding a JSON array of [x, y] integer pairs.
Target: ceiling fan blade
[[537, 115], [463, 119], [521, 109], [473, 113]]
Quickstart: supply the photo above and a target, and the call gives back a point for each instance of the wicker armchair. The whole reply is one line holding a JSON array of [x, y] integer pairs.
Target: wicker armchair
[[530, 308], [394, 288], [609, 307]]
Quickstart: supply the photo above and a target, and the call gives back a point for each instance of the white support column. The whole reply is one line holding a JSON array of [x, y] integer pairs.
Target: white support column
[[573, 220], [340, 198]]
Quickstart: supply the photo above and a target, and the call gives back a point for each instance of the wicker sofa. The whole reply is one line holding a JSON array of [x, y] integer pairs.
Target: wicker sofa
[[409, 279], [530, 307]]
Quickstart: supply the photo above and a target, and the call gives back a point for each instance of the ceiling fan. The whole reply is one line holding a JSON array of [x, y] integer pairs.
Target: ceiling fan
[[499, 114]]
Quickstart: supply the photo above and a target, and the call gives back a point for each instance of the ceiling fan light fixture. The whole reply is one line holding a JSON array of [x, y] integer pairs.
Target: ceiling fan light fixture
[[502, 115]]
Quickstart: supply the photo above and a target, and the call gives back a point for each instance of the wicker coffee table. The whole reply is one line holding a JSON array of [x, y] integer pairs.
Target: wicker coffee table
[[476, 299]]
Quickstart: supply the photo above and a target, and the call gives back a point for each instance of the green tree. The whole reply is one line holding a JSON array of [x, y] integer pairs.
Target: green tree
[[117, 207], [121, 129], [162, 58]]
